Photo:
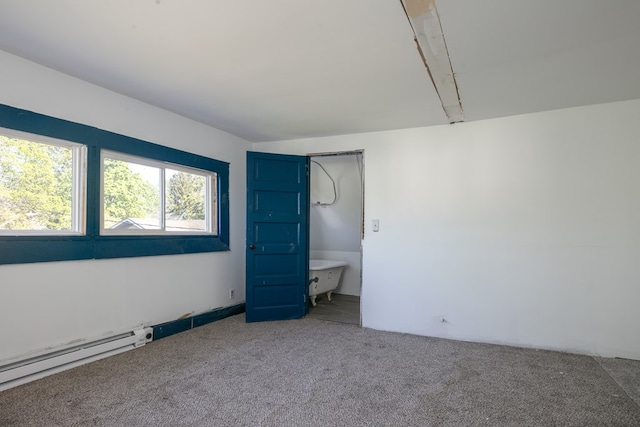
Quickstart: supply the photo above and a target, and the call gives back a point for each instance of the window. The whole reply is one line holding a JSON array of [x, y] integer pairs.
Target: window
[[71, 192], [143, 196], [42, 185]]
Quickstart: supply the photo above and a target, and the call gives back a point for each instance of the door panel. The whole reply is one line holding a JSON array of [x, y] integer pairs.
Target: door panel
[[276, 265], [277, 237], [276, 233], [276, 202]]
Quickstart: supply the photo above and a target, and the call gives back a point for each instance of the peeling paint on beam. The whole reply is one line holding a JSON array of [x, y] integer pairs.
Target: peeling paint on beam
[[425, 21]]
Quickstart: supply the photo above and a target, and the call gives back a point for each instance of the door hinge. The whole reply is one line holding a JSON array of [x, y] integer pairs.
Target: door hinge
[[304, 298], [306, 167]]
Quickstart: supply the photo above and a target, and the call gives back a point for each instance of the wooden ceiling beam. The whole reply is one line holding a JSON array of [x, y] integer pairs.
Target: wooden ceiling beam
[[425, 22]]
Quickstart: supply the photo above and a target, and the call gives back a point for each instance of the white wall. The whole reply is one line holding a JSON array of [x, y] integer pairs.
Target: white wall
[[335, 230], [336, 227], [523, 230], [51, 304]]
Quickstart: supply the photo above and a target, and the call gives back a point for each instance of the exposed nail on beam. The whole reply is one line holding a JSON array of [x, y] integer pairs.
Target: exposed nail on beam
[[425, 21]]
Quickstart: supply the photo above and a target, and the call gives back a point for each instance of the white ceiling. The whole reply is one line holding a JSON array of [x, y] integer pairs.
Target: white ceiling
[[284, 69]]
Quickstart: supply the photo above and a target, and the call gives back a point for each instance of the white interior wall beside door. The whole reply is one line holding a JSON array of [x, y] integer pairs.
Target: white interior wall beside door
[[523, 230]]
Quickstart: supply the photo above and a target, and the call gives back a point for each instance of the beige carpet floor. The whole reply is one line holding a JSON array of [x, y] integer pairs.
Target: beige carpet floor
[[311, 372]]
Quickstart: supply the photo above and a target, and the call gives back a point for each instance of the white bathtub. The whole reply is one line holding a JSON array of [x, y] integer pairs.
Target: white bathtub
[[324, 276]]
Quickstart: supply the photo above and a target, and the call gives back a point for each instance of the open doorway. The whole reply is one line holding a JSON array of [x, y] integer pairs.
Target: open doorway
[[335, 235]]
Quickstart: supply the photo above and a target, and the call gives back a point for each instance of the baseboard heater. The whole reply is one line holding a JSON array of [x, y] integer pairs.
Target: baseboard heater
[[33, 368]]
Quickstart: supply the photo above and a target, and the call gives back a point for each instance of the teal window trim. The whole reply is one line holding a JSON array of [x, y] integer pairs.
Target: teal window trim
[[28, 249]]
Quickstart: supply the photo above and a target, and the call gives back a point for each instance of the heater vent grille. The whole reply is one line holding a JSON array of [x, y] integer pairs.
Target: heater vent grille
[[25, 370]]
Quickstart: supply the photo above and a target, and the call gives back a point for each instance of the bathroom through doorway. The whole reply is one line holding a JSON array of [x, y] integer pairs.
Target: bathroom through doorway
[[336, 230]]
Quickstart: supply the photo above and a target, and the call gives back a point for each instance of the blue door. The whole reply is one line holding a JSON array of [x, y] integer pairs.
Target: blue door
[[277, 237]]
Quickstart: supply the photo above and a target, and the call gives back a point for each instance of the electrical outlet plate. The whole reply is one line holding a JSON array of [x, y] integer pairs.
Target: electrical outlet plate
[[232, 294]]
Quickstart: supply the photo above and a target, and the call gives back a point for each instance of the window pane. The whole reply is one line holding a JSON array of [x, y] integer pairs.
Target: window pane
[[36, 186], [131, 196], [152, 197], [186, 201]]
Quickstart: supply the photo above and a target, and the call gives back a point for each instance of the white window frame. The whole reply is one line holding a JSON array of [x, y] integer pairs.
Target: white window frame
[[210, 194], [78, 187]]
